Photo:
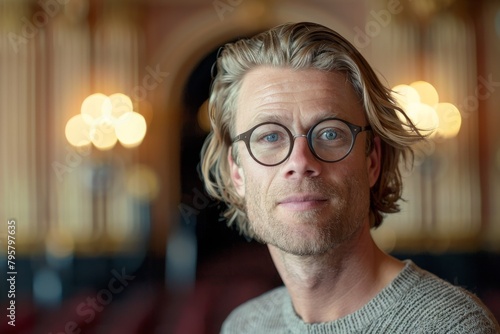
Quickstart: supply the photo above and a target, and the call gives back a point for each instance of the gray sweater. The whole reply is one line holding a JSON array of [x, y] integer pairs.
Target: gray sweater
[[414, 302]]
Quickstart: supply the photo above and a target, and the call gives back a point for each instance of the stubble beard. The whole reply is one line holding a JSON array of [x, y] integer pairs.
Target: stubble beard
[[311, 232]]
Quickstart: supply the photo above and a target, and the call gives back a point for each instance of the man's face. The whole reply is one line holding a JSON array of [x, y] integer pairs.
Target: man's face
[[303, 206]]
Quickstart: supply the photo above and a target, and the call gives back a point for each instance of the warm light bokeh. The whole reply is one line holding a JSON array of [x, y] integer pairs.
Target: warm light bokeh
[[420, 102], [105, 120]]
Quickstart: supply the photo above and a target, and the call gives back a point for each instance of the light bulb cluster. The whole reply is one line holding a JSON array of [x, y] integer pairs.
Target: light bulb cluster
[[420, 102], [105, 120]]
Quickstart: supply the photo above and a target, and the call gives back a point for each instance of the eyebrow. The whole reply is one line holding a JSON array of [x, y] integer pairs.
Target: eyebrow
[[271, 116], [283, 117]]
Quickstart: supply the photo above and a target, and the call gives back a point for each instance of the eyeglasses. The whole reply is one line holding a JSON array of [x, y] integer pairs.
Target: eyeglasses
[[330, 140]]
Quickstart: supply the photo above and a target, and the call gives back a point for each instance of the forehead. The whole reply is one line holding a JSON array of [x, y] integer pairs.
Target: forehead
[[296, 97]]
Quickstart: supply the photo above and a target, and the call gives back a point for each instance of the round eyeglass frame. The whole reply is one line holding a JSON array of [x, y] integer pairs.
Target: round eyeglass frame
[[355, 130]]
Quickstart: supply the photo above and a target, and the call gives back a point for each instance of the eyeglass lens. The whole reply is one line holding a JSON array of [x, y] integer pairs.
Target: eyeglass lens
[[330, 140]]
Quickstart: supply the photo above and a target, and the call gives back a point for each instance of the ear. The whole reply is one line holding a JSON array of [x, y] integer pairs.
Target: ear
[[374, 161], [237, 175]]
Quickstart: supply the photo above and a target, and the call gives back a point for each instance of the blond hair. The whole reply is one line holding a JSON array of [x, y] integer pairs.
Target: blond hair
[[303, 46]]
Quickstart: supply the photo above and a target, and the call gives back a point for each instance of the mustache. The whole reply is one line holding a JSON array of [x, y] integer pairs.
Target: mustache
[[315, 186]]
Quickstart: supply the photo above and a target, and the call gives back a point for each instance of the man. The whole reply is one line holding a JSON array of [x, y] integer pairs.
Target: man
[[304, 149]]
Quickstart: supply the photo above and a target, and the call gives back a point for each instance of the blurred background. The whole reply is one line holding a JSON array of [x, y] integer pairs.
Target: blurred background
[[102, 117]]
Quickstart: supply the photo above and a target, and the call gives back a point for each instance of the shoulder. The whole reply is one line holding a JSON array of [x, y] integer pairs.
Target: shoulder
[[444, 306], [258, 314]]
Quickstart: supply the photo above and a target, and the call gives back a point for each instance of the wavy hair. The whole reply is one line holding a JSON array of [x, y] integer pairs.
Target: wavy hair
[[304, 45]]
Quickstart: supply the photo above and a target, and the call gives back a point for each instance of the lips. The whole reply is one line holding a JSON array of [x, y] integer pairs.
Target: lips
[[303, 201]]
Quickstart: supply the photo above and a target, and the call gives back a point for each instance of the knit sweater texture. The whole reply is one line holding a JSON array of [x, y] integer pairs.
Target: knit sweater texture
[[416, 301]]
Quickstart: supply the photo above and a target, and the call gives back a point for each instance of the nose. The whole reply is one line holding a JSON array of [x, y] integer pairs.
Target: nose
[[301, 161]]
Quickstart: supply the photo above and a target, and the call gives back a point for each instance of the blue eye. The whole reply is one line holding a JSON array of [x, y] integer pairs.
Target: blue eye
[[272, 137], [329, 134], [269, 135]]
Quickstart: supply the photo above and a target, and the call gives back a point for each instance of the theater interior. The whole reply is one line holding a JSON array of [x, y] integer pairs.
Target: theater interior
[[105, 224]]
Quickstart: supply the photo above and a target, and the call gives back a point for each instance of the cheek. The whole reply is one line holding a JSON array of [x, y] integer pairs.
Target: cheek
[[258, 181], [353, 173], [253, 181]]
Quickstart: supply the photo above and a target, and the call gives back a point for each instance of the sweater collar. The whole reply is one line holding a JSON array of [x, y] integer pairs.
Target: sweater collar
[[358, 320]]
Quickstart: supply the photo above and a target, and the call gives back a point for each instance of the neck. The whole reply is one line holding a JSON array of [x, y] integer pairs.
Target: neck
[[329, 286]]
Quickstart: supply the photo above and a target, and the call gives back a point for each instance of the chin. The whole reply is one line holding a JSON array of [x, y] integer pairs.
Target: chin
[[298, 240], [304, 249]]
